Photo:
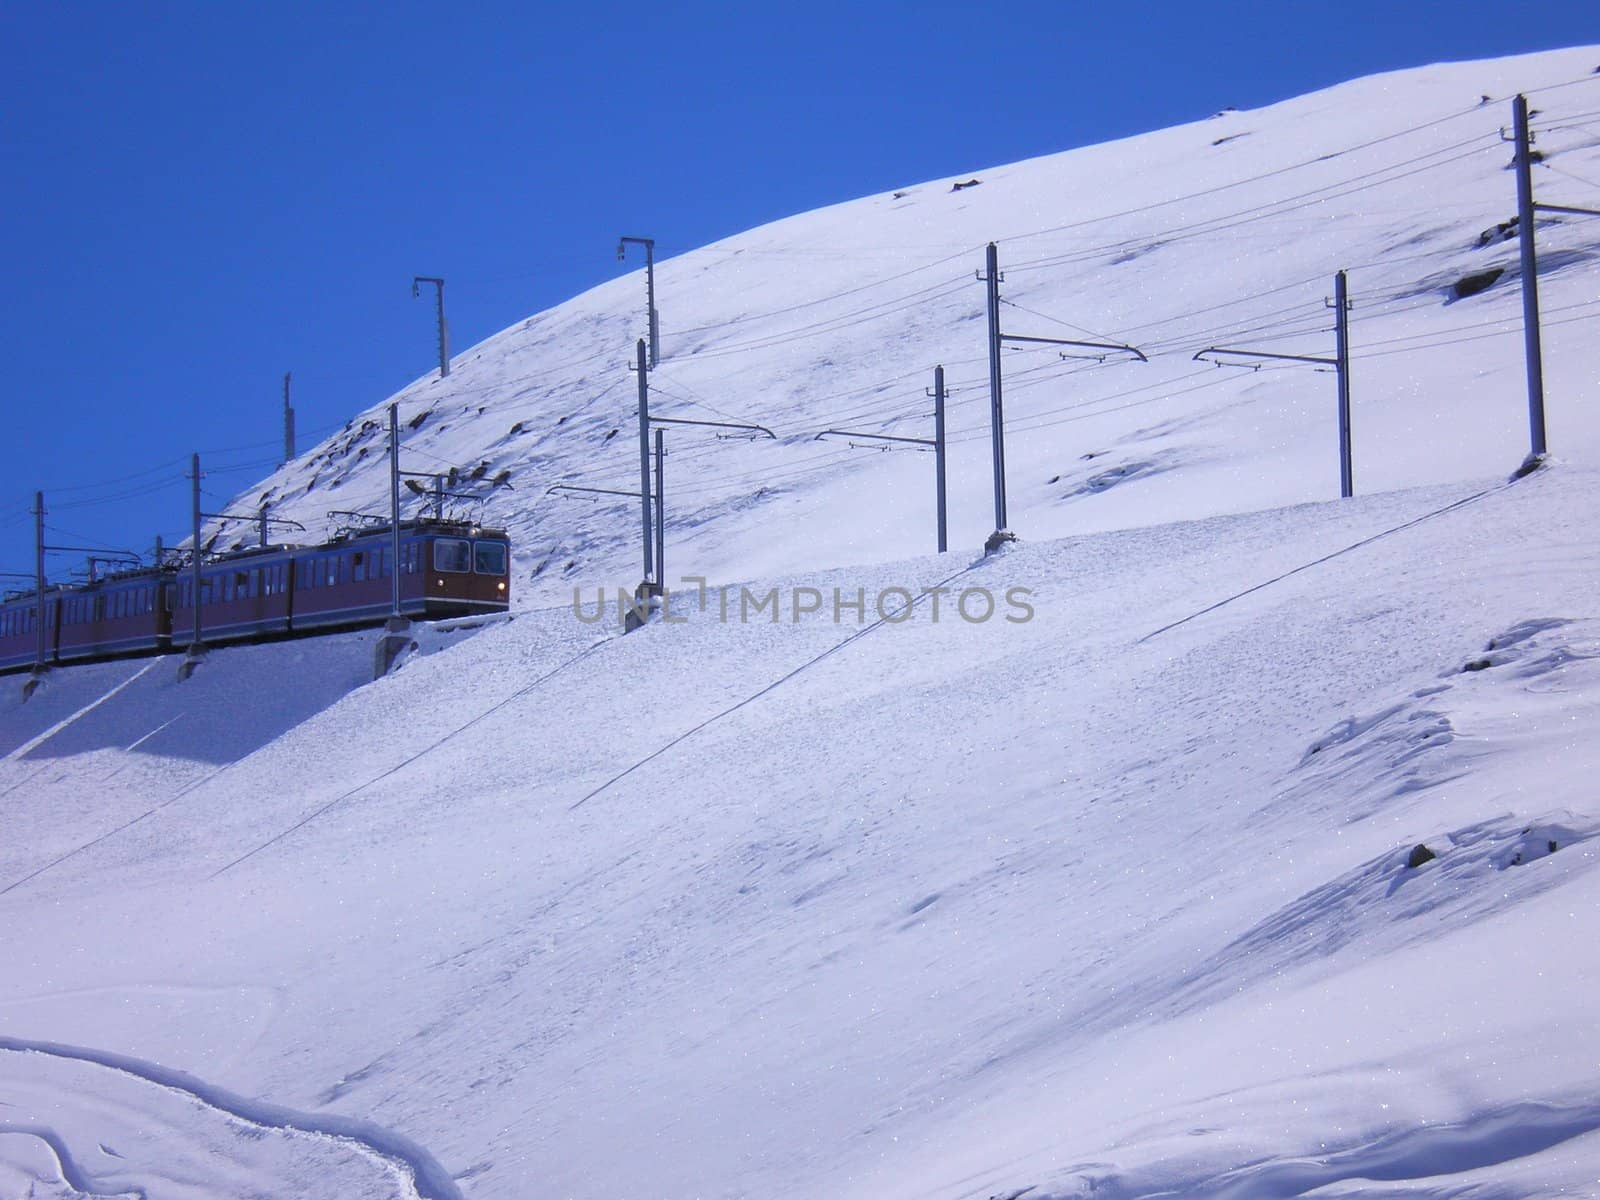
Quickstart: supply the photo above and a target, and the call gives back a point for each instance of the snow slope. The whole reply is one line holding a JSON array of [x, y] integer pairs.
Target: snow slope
[[1226, 231], [1113, 901]]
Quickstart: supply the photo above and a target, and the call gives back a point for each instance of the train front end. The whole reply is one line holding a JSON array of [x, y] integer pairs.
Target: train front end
[[468, 571]]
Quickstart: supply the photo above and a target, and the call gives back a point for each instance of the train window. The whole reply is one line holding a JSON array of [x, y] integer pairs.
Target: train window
[[359, 567], [451, 554], [332, 567], [489, 558]]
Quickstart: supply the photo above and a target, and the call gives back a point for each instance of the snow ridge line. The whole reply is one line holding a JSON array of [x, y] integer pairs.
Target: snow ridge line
[[430, 1180], [1317, 562], [426, 750], [775, 684]]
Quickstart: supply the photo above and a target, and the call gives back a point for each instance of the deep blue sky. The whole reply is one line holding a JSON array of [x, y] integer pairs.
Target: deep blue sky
[[199, 197]]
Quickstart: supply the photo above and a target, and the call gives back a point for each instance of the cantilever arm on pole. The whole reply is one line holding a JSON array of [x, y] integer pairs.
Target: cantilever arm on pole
[[1200, 356], [1045, 341], [599, 492], [254, 519], [876, 437], [127, 554], [762, 429], [1567, 208]]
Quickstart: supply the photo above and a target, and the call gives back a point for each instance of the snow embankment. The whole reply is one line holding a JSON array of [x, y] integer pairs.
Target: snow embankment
[[1110, 901]]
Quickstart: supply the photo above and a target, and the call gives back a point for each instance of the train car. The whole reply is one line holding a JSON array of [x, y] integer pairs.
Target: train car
[[19, 624], [447, 569], [107, 618], [243, 597]]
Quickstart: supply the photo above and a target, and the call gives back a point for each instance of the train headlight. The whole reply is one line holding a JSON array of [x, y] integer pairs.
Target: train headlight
[[501, 585], [441, 583]]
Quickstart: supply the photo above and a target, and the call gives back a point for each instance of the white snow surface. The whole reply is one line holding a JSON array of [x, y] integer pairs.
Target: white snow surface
[[1111, 902]]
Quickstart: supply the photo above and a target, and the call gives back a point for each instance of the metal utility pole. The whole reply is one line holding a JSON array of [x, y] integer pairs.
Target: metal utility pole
[[288, 422], [654, 325], [394, 511], [997, 433], [642, 366], [1340, 363], [444, 329], [938, 452], [196, 645], [1527, 213], [996, 408], [38, 580], [661, 509], [1532, 351], [935, 443], [1341, 337], [397, 630]]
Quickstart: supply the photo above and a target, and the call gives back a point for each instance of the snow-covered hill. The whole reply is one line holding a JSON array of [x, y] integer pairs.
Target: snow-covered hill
[[1116, 901], [1227, 231]]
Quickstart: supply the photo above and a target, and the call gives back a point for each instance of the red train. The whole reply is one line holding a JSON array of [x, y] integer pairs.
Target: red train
[[447, 569]]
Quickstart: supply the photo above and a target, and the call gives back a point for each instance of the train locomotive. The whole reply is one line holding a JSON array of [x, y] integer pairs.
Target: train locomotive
[[447, 569]]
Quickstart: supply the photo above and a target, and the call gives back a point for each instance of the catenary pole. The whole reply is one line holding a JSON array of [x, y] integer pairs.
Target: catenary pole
[[444, 329], [1341, 326], [652, 319], [661, 509], [642, 365], [288, 422], [996, 408], [394, 511], [194, 473], [38, 577], [1532, 351], [938, 453], [650, 302]]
